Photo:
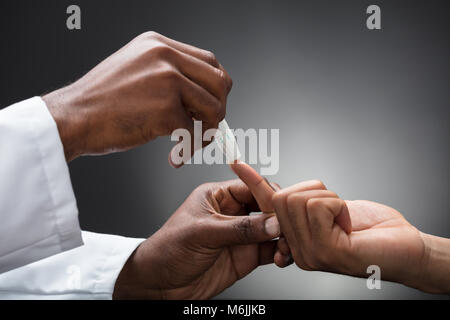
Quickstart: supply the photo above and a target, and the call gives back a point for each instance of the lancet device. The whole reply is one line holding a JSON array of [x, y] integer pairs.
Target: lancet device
[[225, 140]]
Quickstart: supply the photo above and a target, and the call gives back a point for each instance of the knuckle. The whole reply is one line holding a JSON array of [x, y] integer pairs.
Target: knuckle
[[294, 200], [223, 78], [222, 75], [318, 184], [210, 57], [278, 199], [332, 194], [229, 83], [151, 35], [170, 74], [243, 229], [161, 50], [314, 204]]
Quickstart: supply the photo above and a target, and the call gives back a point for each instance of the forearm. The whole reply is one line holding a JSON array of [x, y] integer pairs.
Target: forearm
[[435, 276], [63, 105]]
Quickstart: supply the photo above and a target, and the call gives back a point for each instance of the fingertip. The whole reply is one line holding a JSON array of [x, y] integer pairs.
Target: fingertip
[[281, 260], [238, 167], [278, 260], [245, 172], [260, 187]]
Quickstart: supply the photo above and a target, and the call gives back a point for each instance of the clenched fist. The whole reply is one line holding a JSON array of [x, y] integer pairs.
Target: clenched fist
[[147, 89]]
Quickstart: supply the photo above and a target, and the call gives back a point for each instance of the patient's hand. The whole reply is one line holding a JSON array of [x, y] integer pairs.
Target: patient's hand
[[378, 235], [264, 193], [209, 243], [322, 232]]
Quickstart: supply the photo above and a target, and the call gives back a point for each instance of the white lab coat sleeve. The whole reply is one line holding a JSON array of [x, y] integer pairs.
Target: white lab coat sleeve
[[87, 272], [38, 211]]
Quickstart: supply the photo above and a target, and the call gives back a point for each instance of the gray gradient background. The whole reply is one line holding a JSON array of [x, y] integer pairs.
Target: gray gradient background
[[365, 111]]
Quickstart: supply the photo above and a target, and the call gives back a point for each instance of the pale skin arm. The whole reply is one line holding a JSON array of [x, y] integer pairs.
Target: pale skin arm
[[325, 233], [436, 275]]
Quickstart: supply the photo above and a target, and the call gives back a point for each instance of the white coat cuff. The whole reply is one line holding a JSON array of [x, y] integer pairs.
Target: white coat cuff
[[37, 207], [87, 272], [57, 172]]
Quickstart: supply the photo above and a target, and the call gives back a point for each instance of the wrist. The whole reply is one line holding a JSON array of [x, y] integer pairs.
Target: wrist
[[434, 275], [64, 108], [136, 279]]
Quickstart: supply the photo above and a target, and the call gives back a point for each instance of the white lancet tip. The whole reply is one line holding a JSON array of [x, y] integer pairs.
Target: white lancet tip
[[226, 142]]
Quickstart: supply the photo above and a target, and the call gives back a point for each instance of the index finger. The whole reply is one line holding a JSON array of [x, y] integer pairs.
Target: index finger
[[259, 186], [201, 54]]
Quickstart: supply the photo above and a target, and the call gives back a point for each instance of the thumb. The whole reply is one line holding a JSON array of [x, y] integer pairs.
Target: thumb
[[260, 188], [343, 219], [324, 212], [241, 230]]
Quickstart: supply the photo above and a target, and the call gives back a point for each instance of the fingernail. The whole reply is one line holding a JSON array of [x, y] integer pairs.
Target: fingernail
[[234, 164], [272, 227]]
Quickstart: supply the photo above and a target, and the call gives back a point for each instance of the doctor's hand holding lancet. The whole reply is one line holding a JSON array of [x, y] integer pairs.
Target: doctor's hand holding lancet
[[322, 232], [208, 244], [147, 89]]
